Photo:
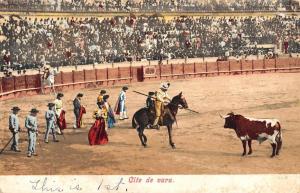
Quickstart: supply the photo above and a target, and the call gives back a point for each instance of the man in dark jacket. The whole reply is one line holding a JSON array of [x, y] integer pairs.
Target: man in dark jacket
[[78, 110], [150, 101]]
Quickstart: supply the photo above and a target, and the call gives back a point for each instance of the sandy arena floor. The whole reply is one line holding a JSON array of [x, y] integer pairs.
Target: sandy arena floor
[[203, 145]]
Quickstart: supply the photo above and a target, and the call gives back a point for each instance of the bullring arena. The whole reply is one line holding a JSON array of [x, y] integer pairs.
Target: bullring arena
[[261, 89], [237, 56]]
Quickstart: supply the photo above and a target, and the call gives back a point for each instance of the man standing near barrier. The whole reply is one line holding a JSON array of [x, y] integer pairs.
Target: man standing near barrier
[[51, 79], [120, 108], [50, 123], [14, 127], [32, 128]]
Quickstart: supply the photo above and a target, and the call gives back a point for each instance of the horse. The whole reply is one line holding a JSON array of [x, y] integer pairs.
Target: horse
[[143, 118]]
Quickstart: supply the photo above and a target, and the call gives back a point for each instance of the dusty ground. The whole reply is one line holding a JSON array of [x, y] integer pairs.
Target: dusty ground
[[203, 145]]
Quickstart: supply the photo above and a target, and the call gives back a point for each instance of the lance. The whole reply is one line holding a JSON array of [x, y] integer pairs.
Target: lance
[[6, 145], [140, 93]]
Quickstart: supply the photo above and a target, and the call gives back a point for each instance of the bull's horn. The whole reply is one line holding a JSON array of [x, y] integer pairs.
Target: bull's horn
[[222, 116]]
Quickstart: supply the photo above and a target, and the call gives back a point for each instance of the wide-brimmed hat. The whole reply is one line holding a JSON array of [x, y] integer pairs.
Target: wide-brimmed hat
[[51, 105], [151, 93], [105, 97], [102, 91], [34, 110], [125, 88], [59, 95], [79, 95], [165, 85], [15, 109]]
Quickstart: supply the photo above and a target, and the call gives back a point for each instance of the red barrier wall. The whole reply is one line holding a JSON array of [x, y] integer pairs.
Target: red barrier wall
[[294, 62], [189, 68], [223, 66], [8, 84], [269, 64], [67, 77], [201, 67], [165, 71], [101, 74], [33, 81], [212, 67], [89, 75], [20, 82], [30, 84], [58, 78], [247, 65], [124, 75], [282, 62], [235, 66], [258, 64]]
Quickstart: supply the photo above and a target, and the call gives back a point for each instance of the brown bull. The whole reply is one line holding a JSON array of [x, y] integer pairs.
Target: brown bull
[[248, 129]]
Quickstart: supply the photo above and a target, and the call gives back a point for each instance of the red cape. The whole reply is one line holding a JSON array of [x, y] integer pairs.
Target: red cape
[[97, 134], [61, 120], [82, 111]]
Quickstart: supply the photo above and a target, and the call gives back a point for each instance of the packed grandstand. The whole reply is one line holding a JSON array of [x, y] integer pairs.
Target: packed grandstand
[[30, 42], [149, 5]]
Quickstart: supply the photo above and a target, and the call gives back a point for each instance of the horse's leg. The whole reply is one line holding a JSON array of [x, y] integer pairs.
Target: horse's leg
[[170, 136], [145, 139], [142, 136]]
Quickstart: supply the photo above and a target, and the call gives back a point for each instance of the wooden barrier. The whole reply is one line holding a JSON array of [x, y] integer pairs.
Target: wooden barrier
[[247, 66], [200, 69], [31, 84]]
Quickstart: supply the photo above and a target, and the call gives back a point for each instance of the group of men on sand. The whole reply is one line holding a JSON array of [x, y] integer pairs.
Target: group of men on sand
[[55, 123], [104, 117]]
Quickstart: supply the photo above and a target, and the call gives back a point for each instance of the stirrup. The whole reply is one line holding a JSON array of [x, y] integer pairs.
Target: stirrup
[[155, 127]]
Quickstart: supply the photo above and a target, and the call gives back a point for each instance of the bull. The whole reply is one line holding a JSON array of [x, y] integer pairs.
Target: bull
[[248, 129]]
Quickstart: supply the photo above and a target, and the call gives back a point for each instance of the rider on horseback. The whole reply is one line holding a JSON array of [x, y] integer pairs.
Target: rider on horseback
[[161, 97]]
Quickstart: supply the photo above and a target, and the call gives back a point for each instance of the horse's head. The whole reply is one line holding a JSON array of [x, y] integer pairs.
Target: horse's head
[[180, 101]]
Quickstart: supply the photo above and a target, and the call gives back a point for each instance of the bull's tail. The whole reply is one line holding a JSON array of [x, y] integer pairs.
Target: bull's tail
[[279, 139], [279, 133]]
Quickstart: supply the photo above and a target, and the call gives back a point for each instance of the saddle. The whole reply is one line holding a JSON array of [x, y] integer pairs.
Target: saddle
[[165, 111]]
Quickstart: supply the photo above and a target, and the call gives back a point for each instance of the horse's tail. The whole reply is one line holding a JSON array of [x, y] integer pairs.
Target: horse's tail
[[134, 123]]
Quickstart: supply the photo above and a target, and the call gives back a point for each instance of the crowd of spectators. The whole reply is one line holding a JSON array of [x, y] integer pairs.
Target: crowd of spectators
[[30, 42], [148, 5]]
